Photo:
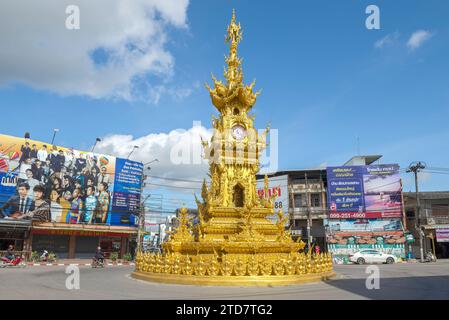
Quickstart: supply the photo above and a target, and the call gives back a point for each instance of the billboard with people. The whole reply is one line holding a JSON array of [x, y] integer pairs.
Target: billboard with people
[[356, 192], [48, 183]]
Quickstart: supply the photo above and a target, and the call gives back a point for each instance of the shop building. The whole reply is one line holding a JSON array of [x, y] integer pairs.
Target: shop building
[[69, 241], [433, 219], [303, 198], [14, 233]]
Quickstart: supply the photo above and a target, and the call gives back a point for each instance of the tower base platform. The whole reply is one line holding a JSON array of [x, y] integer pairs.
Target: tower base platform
[[256, 281]]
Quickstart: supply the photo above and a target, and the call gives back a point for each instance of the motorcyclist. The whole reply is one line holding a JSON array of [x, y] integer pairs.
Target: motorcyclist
[[9, 255], [44, 256], [99, 255]]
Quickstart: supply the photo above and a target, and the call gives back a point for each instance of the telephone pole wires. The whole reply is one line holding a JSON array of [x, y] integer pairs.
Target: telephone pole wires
[[416, 167]]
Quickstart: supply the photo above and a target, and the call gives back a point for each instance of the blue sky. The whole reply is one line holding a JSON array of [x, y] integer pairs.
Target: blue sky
[[325, 80]]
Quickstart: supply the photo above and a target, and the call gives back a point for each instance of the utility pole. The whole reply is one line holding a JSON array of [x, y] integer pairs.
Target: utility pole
[[309, 216], [415, 167], [141, 221], [141, 213]]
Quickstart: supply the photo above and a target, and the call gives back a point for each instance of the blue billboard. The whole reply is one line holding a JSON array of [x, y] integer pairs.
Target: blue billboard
[[364, 191]]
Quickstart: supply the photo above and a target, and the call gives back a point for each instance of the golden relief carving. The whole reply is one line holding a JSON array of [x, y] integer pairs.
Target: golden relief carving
[[233, 236]]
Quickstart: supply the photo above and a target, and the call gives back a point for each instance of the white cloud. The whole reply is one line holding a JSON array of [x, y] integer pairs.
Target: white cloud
[[168, 148], [118, 46], [387, 40], [418, 38]]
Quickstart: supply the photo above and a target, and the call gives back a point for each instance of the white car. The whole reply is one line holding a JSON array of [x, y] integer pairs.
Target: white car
[[372, 256]]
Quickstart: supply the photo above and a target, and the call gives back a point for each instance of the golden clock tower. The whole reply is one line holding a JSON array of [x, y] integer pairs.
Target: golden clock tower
[[233, 243]]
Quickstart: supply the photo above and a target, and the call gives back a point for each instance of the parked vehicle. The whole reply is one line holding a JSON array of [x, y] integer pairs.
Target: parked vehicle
[[372, 256], [154, 250], [16, 262], [430, 257]]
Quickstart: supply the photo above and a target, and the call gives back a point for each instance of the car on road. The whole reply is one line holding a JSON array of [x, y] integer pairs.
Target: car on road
[[154, 250], [372, 256]]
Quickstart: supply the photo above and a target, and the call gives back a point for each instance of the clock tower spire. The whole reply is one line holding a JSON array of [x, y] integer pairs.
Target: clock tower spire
[[235, 146]]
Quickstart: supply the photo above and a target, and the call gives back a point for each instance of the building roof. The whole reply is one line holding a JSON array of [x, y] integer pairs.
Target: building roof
[[428, 195], [362, 160], [15, 224], [289, 171]]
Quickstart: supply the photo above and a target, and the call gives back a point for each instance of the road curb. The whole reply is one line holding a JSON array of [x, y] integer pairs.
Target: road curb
[[30, 264]]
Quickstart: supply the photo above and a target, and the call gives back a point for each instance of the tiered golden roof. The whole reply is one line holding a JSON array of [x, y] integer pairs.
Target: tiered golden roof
[[234, 242]]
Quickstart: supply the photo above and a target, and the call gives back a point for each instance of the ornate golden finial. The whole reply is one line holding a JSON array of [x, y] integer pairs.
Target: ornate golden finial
[[233, 74], [234, 34], [223, 93]]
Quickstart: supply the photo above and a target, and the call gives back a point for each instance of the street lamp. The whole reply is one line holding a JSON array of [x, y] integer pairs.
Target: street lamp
[[134, 148], [155, 160], [95, 144], [54, 135]]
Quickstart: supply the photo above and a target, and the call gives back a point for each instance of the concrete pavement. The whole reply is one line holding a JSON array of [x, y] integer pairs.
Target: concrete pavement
[[399, 281]]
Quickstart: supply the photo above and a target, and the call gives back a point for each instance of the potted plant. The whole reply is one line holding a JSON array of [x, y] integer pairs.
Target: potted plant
[[52, 257], [127, 257], [34, 256], [113, 256]]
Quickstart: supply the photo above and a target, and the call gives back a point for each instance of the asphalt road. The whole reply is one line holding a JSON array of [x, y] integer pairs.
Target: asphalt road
[[399, 281]]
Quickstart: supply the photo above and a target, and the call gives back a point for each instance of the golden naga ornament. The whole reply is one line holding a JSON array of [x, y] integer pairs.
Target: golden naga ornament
[[234, 243]]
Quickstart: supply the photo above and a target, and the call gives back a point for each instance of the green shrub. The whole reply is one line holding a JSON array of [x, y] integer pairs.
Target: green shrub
[[35, 256], [127, 257], [52, 257], [113, 256]]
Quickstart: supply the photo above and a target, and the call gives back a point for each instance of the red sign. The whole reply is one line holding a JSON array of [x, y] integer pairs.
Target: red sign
[[80, 233], [271, 192]]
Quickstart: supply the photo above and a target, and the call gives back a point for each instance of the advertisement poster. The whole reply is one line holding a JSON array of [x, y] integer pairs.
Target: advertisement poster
[[340, 253], [442, 235], [364, 192], [276, 186], [79, 187]]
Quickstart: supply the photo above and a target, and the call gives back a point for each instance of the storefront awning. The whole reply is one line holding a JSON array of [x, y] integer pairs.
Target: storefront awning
[[82, 229], [14, 225]]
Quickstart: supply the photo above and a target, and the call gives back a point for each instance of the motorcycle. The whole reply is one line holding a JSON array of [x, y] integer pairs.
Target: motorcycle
[[430, 257], [97, 263], [44, 256], [16, 262]]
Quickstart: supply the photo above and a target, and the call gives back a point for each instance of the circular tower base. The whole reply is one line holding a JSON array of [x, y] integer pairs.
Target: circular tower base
[[257, 281]]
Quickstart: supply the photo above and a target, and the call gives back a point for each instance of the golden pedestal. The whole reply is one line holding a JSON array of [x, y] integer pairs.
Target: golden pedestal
[[241, 281]]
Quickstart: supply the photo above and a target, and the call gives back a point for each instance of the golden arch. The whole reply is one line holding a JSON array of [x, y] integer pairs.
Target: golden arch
[[238, 196]]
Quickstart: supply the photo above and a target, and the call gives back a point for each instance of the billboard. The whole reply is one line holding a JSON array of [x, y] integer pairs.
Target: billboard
[[364, 225], [276, 185], [364, 231], [442, 234], [42, 182], [364, 191], [340, 253]]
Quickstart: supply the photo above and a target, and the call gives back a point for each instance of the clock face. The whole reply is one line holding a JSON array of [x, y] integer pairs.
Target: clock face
[[238, 132]]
